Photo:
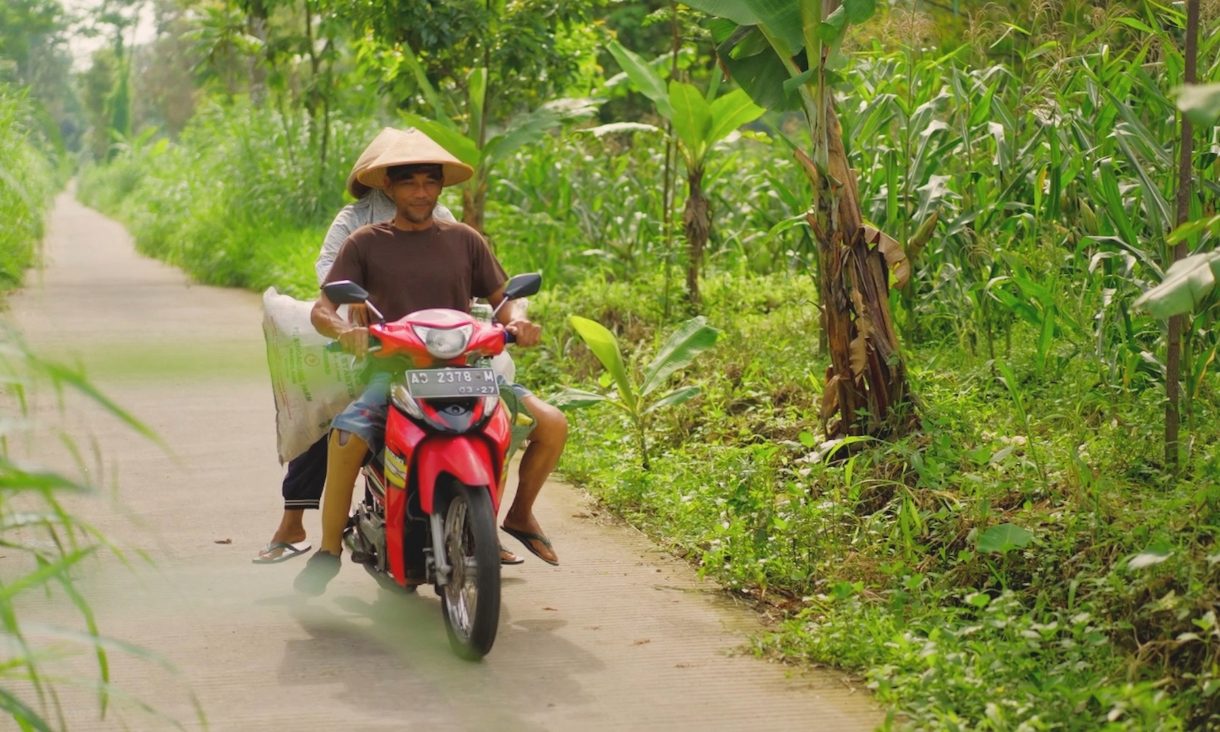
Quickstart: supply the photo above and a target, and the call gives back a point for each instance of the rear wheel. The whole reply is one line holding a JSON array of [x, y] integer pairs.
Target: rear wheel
[[471, 599]]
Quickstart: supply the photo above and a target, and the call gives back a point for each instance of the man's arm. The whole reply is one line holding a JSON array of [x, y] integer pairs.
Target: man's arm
[[327, 321], [512, 317]]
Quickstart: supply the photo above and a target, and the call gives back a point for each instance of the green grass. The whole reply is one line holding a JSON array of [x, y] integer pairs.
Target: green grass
[[876, 554]]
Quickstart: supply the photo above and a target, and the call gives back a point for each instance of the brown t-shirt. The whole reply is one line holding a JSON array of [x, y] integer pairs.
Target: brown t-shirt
[[405, 271]]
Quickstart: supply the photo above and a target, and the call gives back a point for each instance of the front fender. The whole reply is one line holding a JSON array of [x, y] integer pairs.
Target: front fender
[[467, 458]]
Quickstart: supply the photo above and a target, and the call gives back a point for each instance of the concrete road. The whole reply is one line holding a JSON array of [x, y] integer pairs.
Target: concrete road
[[619, 637]]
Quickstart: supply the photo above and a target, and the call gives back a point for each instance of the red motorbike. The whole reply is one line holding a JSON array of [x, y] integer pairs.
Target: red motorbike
[[431, 497]]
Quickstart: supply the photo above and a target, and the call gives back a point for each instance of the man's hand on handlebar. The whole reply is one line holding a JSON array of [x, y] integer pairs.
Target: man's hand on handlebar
[[355, 341], [526, 332]]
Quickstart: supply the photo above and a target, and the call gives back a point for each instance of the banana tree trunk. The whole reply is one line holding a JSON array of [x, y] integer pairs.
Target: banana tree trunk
[[866, 382], [697, 220]]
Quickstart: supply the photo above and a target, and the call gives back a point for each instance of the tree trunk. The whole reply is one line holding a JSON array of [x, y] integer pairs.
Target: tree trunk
[[697, 221], [1173, 360], [866, 381], [474, 199], [257, 26]]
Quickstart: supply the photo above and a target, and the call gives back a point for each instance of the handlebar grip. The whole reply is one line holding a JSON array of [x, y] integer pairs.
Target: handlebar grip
[[336, 347], [509, 337]]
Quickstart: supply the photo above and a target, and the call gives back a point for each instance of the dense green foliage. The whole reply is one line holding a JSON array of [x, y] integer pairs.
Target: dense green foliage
[[27, 180], [1028, 558], [232, 201], [878, 555]]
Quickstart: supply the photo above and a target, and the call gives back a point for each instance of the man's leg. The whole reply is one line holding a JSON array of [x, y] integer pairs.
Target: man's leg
[[351, 433], [546, 443], [345, 455]]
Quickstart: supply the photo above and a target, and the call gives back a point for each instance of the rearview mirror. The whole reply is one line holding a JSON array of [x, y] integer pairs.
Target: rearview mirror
[[523, 285], [345, 292]]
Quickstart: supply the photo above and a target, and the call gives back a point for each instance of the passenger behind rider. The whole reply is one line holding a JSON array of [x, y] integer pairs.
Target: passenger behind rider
[[411, 263], [302, 485]]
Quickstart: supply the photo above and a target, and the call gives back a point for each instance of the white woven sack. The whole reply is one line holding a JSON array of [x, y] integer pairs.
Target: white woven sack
[[310, 384]]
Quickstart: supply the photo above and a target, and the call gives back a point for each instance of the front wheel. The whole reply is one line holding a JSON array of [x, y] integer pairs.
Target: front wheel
[[471, 599]]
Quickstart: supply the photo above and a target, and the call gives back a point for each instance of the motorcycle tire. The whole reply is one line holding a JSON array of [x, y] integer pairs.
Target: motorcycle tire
[[471, 599]]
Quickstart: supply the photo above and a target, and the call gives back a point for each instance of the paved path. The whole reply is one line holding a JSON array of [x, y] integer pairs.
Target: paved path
[[618, 637]]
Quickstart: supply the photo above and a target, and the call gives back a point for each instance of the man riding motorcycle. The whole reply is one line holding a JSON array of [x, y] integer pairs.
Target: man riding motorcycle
[[410, 263]]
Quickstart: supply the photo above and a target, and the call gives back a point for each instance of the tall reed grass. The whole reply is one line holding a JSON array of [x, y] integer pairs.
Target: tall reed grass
[[47, 545]]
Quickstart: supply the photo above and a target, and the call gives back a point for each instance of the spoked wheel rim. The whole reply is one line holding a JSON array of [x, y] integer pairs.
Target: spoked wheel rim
[[471, 597], [462, 592]]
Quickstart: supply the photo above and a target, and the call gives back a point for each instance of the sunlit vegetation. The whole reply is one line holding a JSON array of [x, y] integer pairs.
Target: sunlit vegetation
[[27, 180], [1033, 555]]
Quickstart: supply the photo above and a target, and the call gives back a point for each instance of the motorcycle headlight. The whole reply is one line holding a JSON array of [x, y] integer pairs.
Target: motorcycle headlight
[[444, 343]]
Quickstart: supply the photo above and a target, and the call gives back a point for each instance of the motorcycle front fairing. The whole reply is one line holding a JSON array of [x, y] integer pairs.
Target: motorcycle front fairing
[[415, 460]]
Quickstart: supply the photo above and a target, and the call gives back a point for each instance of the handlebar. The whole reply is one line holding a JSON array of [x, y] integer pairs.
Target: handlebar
[[375, 344], [336, 347]]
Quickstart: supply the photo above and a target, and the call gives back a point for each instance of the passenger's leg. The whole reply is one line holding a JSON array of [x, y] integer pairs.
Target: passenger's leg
[[302, 490]]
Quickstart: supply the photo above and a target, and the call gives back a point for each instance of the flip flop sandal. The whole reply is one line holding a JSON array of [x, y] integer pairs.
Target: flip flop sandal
[[527, 538], [507, 557], [286, 551]]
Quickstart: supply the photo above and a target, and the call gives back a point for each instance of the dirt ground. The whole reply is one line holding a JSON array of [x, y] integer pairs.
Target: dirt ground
[[619, 636]]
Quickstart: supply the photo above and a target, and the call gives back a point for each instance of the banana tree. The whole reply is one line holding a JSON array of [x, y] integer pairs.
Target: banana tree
[[639, 396], [699, 121], [475, 143], [784, 54]]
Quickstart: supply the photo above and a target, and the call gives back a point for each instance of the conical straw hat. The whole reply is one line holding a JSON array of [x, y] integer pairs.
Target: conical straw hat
[[379, 145], [413, 147]]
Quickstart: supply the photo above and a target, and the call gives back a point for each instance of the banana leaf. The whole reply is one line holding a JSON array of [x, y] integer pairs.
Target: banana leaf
[[1186, 285]]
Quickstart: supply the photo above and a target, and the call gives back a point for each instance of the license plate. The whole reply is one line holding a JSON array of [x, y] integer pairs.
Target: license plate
[[451, 383]]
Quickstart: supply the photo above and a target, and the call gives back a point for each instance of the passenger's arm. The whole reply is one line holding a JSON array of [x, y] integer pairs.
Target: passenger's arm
[[346, 221]]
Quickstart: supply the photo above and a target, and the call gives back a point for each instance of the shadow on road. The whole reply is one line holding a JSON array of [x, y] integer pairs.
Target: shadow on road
[[408, 667]]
